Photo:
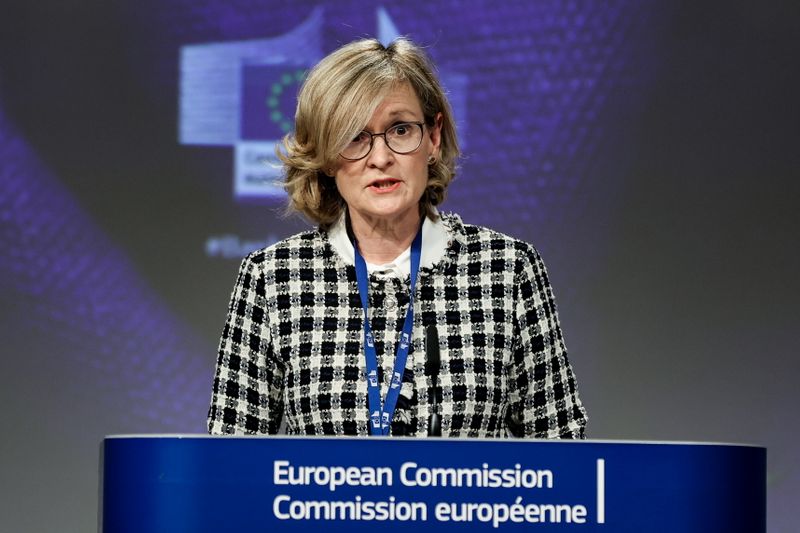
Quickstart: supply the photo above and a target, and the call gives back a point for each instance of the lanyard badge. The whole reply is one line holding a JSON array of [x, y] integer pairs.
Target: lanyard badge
[[381, 413]]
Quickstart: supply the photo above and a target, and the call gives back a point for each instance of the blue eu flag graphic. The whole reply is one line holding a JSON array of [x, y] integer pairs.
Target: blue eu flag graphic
[[269, 97]]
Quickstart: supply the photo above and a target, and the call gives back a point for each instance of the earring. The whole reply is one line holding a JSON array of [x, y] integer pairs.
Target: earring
[[431, 159]]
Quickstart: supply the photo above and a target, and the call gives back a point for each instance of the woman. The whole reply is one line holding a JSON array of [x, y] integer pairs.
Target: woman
[[326, 329]]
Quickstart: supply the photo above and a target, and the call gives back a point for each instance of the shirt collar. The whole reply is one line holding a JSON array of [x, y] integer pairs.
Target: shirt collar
[[435, 238]]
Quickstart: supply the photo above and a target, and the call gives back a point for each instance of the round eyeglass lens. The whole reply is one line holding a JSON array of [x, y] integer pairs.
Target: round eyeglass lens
[[404, 138]]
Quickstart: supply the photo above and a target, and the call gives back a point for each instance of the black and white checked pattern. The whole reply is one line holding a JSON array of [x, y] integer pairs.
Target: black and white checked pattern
[[292, 344]]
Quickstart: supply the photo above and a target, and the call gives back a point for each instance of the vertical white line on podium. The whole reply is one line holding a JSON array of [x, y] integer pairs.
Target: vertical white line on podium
[[601, 491]]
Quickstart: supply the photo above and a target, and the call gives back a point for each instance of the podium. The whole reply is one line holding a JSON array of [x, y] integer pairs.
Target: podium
[[201, 484]]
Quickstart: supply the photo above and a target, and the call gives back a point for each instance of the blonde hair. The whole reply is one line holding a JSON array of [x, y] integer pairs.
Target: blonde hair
[[337, 99]]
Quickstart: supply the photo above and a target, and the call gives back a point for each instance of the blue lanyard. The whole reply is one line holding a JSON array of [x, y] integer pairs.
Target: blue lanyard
[[381, 414]]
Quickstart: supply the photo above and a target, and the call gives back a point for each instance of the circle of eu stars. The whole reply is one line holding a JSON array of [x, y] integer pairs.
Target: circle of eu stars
[[287, 80]]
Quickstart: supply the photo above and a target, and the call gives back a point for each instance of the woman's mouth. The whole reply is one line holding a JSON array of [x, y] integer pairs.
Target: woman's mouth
[[384, 185]]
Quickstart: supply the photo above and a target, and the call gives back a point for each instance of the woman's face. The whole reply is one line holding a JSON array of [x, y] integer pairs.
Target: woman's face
[[386, 186]]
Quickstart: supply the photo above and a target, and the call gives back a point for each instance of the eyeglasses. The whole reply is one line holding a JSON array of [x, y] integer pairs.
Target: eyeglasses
[[401, 138]]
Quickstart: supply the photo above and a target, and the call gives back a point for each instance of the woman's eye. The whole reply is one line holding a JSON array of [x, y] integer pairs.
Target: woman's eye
[[362, 137], [401, 129]]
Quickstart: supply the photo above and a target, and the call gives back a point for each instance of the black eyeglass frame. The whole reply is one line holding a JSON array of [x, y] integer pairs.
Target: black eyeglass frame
[[372, 136]]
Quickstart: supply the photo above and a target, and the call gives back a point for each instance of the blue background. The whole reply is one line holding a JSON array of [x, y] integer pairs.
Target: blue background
[[647, 148]]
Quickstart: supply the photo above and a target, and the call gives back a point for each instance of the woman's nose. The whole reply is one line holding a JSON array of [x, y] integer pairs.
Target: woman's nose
[[380, 155]]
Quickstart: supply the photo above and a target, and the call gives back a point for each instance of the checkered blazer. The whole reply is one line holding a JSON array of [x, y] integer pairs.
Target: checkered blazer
[[291, 347]]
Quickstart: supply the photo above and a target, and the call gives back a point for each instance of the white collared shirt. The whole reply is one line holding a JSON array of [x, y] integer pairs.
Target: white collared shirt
[[434, 245]]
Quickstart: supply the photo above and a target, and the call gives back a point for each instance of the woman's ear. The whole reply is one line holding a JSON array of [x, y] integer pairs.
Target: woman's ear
[[435, 133]]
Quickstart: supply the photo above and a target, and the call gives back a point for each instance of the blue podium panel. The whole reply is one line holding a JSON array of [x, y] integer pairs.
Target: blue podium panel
[[260, 484]]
